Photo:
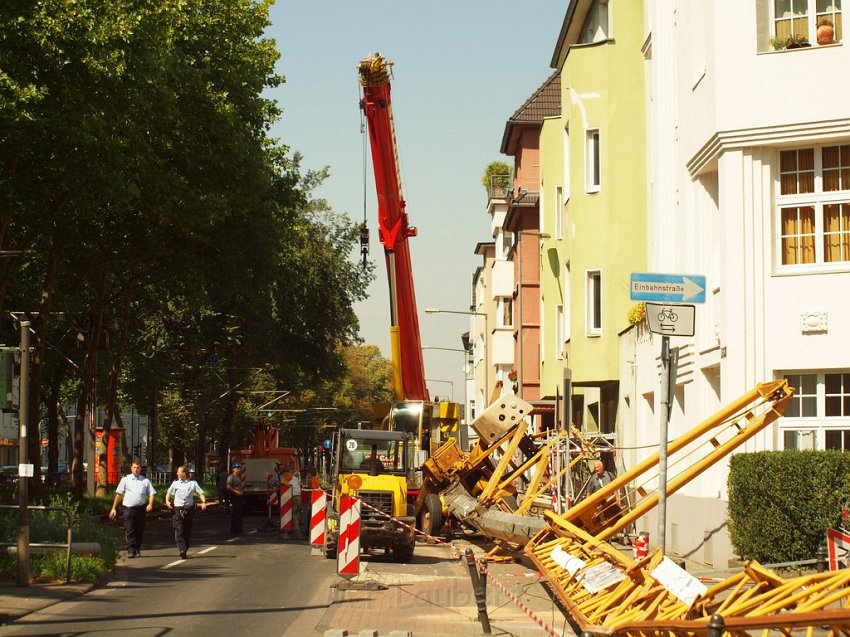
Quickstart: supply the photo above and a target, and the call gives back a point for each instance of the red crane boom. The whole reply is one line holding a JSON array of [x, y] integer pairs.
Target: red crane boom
[[393, 229]]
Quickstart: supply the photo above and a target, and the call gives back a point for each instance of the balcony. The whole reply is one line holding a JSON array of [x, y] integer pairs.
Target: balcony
[[500, 186]]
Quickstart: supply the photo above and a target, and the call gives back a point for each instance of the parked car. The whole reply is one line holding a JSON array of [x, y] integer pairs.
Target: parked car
[[8, 475]]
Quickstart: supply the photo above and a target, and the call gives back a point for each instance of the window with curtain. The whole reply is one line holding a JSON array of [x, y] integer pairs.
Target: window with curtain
[[814, 207], [800, 17]]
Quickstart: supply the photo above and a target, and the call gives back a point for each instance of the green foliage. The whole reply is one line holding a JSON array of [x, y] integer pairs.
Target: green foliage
[[782, 502], [497, 174], [87, 525], [155, 208]]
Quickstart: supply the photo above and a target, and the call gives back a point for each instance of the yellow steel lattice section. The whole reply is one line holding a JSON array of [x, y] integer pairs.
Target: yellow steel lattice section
[[603, 513], [606, 592], [751, 602]]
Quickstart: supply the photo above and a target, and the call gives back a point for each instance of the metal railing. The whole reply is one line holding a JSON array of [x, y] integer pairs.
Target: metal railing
[[51, 545], [500, 186]]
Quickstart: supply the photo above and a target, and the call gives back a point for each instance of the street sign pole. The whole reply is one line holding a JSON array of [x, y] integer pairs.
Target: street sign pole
[[23, 539], [662, 442], [667, 314], [669, 369]]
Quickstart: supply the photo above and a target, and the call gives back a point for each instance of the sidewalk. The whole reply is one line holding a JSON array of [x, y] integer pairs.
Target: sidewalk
[[18, 601], [430, 605]]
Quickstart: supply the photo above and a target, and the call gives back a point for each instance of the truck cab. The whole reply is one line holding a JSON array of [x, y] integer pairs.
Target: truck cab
[[375, 467]]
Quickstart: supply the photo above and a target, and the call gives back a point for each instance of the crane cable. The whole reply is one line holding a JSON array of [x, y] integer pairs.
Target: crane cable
[[364, 229]]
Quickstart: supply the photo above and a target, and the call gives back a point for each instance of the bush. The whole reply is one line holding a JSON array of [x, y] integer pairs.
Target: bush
[[782, 502], [87, 525]]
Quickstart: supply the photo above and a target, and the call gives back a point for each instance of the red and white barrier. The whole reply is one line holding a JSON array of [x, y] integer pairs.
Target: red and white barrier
[[285, 508], [272, 498], [318, 517], [348, 544]]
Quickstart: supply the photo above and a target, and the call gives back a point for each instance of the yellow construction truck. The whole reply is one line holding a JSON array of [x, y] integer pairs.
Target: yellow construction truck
[[375, 467]]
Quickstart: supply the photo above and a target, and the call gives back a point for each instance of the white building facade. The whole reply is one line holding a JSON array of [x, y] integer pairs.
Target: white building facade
[[749, 182]]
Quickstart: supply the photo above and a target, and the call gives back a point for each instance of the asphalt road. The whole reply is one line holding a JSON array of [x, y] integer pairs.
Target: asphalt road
[[257, 584]]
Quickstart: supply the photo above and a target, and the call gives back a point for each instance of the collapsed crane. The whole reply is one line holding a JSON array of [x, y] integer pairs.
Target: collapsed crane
[[607, 593]]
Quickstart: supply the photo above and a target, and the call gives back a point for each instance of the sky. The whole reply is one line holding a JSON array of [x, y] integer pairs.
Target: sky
[[462, 67]]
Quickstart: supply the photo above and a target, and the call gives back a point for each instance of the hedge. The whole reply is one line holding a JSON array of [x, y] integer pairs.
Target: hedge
[[782, 502]]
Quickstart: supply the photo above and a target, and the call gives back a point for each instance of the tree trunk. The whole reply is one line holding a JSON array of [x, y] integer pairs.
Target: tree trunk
[[51, 402], [118, 353], [39, 325]]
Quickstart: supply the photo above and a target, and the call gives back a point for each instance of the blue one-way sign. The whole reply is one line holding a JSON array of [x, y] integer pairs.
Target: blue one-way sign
[[667, 288]]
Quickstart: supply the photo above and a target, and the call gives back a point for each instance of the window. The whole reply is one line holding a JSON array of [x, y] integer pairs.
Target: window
[[814, 206], [559, 331], [559, 212], [506, 312], [567, 302], [566, 175], [594, 303], [800, 17], [592, 169], [595, 27], [504, 243], [818, 416]]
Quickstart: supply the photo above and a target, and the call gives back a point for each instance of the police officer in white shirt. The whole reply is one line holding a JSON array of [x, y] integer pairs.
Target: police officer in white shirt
[[183, 509], [138, 495]]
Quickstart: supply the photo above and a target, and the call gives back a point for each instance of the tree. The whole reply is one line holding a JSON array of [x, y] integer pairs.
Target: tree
[[155, 210]]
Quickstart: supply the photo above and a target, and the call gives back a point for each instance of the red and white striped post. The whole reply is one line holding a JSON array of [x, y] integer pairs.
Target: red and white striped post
[[285, 508], [271, 493], [318, 517], [348, 545]]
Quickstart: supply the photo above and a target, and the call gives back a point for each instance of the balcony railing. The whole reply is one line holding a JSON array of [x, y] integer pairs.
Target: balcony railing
[[500, 186]]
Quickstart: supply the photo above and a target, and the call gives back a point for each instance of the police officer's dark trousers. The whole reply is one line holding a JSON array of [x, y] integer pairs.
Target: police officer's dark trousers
[[182, 519], [134, 527]]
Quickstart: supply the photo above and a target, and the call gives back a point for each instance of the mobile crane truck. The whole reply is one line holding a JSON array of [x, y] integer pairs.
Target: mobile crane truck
[[411, 422]]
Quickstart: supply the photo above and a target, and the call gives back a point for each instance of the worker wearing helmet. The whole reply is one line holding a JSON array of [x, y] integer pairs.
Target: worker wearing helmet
[[235, 487]]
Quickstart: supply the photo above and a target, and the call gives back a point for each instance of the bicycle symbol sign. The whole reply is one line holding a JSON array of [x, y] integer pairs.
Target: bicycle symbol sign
[[670, 319]]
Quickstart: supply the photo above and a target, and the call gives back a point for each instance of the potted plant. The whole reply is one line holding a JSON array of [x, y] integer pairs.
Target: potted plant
[[497, 178], [796, 41], [778, 42], [826, 31]]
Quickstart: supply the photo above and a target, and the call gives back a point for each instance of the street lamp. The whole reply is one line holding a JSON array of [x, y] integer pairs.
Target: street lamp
[[431, 310], [540, 235]]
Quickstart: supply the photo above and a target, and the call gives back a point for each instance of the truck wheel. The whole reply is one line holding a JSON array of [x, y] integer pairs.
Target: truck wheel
[[330, 547], [402, 553], [431, 516]]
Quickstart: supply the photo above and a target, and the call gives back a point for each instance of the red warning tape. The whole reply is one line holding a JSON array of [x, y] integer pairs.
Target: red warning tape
[[407, 526], [549, 631]]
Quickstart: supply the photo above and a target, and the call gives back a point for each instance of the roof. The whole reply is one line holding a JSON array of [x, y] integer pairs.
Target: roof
[[544, 102]]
